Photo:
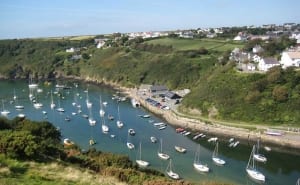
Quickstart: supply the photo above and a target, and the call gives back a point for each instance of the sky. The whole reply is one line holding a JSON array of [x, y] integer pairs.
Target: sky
[[50, 18]]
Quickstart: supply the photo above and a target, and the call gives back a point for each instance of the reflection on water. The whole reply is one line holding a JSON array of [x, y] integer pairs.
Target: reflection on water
[[280, 168]]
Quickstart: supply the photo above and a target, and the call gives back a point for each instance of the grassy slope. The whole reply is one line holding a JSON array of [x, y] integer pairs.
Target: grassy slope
[[14, 172], [28, 173]]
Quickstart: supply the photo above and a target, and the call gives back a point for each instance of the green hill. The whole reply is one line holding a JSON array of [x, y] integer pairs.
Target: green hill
[[198, 64]]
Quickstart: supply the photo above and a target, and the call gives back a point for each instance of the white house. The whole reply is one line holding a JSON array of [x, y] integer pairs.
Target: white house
[[100, 44], [256, 58], [290, 58], [266, 63], [257, 49], [240, 38], [71, 50]]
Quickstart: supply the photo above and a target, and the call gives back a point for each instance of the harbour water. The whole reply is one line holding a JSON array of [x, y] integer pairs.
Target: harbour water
[[280, 169]]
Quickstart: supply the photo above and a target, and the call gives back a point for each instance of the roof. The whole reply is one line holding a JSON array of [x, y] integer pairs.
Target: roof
[[294, 54], [158, 88], [270, 61], [172, 95]]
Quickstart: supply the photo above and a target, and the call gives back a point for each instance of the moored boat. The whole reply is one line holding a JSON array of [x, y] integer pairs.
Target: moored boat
[[217, 160], [153, 139], [68, 142], [130, 145], [140, 162], [197, 164], [131, 131], [180, 149], [160, 153], [135, 103], [251, 168], [170, 171]]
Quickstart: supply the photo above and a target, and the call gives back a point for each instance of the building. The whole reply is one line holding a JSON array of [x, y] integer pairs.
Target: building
[[291, 58], [158, 89], [266, 63], [171, 95], [257, 49], [70, 50]]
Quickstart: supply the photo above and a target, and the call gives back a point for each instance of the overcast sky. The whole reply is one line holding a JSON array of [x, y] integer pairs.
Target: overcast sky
[[47, 18]]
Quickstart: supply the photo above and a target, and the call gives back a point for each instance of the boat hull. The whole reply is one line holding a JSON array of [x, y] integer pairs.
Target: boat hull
[[218, 161], [163, 156], [255, 175], [200, 167], [142, 163]]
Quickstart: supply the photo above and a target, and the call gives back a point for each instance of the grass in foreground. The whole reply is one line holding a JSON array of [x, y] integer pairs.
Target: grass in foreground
[[17, 172]]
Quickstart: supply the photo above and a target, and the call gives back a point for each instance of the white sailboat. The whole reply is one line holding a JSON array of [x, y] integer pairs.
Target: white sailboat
[[88, 103], [251, 168], [160, 153], [60, 109], [139, 161], [105, 128], [197, 164], [37, 104], [31, 84], [180, 149], [17, 105], [92, 121], [215, 157], [120, 124], [52, 104], [170, 171], [4, 112], [129, 144], [101, 111], [257, 156]]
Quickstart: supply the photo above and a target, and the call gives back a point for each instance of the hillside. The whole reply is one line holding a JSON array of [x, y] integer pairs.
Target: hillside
[[271, 98]]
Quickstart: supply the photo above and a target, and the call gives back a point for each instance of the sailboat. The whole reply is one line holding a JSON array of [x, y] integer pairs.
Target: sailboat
[[60, 109], [92, 121], [32, 85], [161, 154], [17, 105], [139, 161], [170, 171], [101, 111], [4, 112], [15, 96], [52, 104], [92, 141], [197, 164], [88, 103], [120, 124], [37, 104], [215, 157], [129, 144], [251, 168], [105, 128], [257, 156]]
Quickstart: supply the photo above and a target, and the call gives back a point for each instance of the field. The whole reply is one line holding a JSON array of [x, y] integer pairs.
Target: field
[[191, 44]]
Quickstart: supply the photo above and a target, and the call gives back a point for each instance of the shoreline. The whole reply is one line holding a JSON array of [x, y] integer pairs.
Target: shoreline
[[289, 142], [284, 143]]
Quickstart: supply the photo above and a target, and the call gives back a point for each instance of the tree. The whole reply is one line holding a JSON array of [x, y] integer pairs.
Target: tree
[[280, 93]]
